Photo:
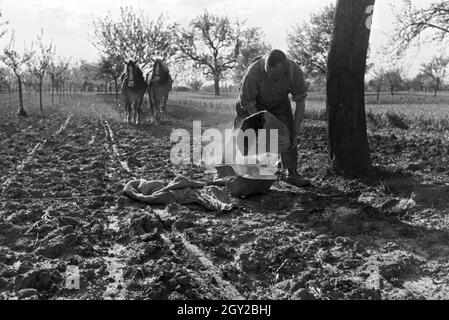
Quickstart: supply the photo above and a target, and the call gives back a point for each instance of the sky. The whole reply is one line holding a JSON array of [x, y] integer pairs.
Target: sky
[[68, 22]]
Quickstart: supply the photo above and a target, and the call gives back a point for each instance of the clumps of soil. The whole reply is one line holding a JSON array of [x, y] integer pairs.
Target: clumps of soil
[[144, 223], [172, 283], [60, 242], [43, 281]]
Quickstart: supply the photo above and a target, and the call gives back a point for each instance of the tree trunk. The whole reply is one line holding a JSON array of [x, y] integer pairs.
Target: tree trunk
[[437, 87], [41, 105], [378, 95], [217, 84], [21, 112], [348, 141]]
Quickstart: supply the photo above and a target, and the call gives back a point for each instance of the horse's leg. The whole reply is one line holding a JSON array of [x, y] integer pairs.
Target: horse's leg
[[158, 109], [135, 112], [128, 111], [152, 106], [164, 108], [139, 110]]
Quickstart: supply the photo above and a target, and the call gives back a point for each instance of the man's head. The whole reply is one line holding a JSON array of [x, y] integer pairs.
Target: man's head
[[276, 63]]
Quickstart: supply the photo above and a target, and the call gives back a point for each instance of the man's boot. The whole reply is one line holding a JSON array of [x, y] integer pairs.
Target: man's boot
[[295, 179]]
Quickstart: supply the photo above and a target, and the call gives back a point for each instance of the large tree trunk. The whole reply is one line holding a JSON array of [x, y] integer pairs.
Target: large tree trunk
[[217, 84], [21, 112], [348, 141]]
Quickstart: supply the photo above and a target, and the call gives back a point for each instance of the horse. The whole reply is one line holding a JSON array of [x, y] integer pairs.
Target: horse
[[134, 88], [159, 88]]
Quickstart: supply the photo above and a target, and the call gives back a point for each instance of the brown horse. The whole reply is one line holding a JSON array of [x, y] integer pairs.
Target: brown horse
[[134, 87], [159, 88]]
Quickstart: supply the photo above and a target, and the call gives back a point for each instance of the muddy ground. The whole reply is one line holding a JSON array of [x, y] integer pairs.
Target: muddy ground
[[61, 205]]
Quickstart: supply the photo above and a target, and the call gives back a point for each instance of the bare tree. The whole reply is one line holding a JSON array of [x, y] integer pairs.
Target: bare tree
[[41, 62], [415, 24], [133, 36], [213, 43], [348, 141], [17, 62], [309, 43], [436, 70]]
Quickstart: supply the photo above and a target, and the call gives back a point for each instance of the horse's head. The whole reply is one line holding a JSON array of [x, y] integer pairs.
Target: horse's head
[[132, 73], [160, 71]]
